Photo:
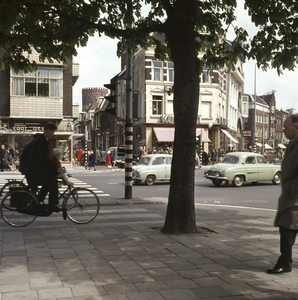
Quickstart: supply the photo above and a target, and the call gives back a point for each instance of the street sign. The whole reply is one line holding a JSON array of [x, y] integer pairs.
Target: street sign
[[139, 136], [247, 133]]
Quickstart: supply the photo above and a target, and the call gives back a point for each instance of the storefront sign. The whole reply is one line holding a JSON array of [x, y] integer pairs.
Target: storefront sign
[[170, 119], [247, 133]]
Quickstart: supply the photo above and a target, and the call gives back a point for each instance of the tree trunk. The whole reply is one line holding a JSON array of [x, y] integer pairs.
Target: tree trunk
[[180, 217]]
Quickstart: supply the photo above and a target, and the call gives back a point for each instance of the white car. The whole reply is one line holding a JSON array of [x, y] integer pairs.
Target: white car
[[152, 167]]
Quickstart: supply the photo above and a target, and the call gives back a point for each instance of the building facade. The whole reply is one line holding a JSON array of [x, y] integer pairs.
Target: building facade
[[29, 100]]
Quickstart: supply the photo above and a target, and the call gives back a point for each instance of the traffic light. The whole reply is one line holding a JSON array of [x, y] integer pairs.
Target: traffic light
[[114, 97]]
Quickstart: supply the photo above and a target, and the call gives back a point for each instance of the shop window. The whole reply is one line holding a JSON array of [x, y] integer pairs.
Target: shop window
[[64, 146]]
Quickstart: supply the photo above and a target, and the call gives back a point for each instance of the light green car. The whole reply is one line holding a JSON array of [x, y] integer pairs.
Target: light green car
[[240, 167]]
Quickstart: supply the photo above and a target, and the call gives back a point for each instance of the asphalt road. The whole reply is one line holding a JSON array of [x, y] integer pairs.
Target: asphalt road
[[260, 195]]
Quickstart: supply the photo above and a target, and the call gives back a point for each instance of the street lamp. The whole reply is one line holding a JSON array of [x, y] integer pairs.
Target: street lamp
[[255, 109]]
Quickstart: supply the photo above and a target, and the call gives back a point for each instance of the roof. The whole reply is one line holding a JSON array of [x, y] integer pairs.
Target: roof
[[259, 99]]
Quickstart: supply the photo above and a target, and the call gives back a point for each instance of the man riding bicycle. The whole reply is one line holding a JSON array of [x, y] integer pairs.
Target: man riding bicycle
[[41, 170]]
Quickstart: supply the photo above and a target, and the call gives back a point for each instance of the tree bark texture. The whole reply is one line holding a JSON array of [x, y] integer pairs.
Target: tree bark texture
[[180, 217]]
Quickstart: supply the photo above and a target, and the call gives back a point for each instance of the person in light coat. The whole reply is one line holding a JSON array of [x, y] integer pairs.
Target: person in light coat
[[287, 212]]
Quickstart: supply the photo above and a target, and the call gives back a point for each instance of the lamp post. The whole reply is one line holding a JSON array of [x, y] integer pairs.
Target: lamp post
[[263, 150], [255, 110]]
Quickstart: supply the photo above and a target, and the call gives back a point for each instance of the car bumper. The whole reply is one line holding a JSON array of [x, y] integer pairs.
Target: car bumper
[[215, 177]]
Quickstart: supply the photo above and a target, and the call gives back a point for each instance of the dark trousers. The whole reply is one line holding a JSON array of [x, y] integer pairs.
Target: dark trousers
[[50, 185], [287, 241]]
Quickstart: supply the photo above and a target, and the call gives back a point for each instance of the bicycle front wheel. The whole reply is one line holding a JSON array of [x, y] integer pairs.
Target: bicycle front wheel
[[14, 203], [82, 205]]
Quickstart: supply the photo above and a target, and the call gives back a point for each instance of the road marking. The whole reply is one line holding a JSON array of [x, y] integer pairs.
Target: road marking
[[234, 206]]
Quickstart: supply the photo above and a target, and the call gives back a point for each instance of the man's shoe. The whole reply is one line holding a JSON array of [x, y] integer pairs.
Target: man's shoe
[[278, 271], [55, 209]]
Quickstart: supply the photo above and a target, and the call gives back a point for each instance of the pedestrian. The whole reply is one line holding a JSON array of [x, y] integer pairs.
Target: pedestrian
[[3, 158], [287, 212], [197, 158], [205, 158], [108, 162], [91, 161], [97, 156], [79, 156], [11, 157]]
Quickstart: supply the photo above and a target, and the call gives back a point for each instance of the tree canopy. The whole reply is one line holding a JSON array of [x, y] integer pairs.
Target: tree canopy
[[55, 28]]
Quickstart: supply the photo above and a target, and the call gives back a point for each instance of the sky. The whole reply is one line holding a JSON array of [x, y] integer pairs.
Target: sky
[[98, 63]]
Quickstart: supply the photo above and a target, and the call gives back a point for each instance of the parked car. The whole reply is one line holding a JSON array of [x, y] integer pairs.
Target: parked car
[[240, 167], [152, 167]]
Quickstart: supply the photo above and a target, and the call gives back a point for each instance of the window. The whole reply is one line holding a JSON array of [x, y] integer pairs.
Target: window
[[168, 160], [157, 105], [261, 160], [250, 160], [171, 71], [205, 75], [158, 161], [40, 83], [157, 70]]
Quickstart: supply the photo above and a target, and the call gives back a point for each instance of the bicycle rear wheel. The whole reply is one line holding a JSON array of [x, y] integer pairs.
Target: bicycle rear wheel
[[82, 205], [12, 205], [6, 187]]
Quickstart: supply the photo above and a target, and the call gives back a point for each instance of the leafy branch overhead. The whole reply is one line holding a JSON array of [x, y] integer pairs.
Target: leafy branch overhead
[[56, 27]]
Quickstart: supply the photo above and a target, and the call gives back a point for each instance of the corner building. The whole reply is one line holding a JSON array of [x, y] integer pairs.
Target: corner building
[[220, 108]]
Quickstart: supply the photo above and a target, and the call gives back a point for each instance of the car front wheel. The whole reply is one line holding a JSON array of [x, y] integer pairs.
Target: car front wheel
[[277, 178], [238, 180], [150, 180], [217, 182]]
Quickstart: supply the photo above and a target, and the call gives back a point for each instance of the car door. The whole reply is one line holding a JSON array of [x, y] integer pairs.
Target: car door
[[265, 170], [252, 168], [159, 167], [168, 161]]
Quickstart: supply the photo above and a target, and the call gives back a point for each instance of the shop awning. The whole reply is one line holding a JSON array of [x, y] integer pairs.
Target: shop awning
[[282, 146], [166, 134], [266, 146], [229, 136], [204, 135]]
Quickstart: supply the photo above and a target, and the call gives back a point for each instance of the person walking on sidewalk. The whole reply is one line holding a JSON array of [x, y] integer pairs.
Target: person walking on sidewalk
[[108, 162], [287, 212]]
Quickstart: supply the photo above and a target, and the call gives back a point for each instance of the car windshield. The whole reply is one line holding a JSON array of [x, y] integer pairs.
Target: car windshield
[[230, 159], [144, 161]]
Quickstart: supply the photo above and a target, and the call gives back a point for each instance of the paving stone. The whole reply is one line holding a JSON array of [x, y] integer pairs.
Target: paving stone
[[145, 296], [178, 294], [30, 295], [88, 291]]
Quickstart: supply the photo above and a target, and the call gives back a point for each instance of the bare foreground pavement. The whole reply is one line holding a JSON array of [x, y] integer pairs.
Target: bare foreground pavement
[[122, 255]]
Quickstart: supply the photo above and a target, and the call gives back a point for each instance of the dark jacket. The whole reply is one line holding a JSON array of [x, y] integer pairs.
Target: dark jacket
[[287, 212], [24, 157], [39, 165]]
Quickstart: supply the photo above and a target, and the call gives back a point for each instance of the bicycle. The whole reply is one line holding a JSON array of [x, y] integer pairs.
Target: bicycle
[[21, 206]]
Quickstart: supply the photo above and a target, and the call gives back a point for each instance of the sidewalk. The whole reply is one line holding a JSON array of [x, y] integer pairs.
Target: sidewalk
[[122, 255]]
